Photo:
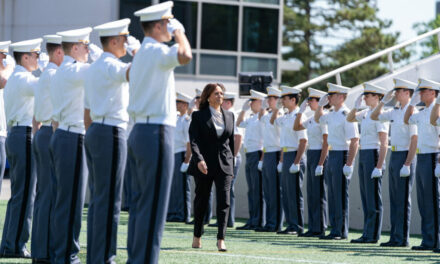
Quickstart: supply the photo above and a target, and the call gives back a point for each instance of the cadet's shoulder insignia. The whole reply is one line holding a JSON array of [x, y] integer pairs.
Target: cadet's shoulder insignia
[[421, 109], [396, 108], [295, 115], [331, 110], [344, 113], [392, 120]]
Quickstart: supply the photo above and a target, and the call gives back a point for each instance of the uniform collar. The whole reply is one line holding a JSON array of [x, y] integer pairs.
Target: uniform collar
[[51, 65], [106, 54], [19, 68], [149, 40], [68, 59]]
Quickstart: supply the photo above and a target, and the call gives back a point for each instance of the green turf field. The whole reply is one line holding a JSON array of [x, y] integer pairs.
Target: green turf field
[[253, 248]]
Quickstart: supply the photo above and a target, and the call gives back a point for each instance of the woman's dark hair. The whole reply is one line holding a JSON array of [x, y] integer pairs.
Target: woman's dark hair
[[207, 91]]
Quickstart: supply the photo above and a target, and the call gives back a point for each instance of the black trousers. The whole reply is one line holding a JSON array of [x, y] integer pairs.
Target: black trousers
[[201, 201]]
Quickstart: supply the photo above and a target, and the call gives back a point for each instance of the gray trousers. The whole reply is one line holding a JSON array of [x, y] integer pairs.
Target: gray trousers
[[371, 194], [400, 197], [427, 198], [106, 152], [151, 148], [293, 201], [67, 151], [2, 159], [44, 198], [316, 193], [179, 207], [338, 199], [254, 180], [18, 219], [272, 190]]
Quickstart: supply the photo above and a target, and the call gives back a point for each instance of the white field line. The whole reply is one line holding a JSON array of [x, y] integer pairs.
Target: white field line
[[252, 257]]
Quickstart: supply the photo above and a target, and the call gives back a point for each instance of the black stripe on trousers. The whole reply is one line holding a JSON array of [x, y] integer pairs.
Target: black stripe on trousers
[[277, 225], [26, 188], [321, 201], [298, 202], [435, 197], [376, 200], [76, 175], [260, 186], [111, 196], [185, 215], [405, 210], [344, 183], [156, 195]]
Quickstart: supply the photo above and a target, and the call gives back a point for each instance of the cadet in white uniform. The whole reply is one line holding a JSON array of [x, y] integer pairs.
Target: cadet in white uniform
[[373, 149], [317, 151], [19, 107], [294, 145], [179, 207], [271, 163], [67, 145], [45, 194], [253, 145], [343, 140], [428, 146], [6, 67], [401, 168], [106, 96], [152, 106]]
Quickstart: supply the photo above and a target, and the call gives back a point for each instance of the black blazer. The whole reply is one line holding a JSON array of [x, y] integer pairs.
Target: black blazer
[[217, 152]]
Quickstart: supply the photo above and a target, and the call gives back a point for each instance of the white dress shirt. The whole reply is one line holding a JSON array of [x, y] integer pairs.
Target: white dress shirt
[[428, 135], [271, 135], [67, 95], [181, 133], [152, 91], [315, 131], [43, 105], [289, 138], [401, 133], [106, 91], [253, 134], [217, 119], [19, 97], [340, 131], [370, 129]]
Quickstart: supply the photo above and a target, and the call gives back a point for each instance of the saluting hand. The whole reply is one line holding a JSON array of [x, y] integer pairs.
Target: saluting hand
[[303, 106], [388, 97], [323, 101], [202, 167]]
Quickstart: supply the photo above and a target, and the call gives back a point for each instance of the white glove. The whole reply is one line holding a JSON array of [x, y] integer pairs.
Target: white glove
[[415, 99], [95, 52], [184, 167], [377, 173], [358, 102], [294, 168], [43, 60], [192, 103], [264, 104], [388, 97], [174, 25], [323, 101], [235, 160], [348, 171], [246, 106], [8, 61], [260, 165], [132, 45], [303, 106], [319, 170], [279, 105], [437, 170], [280, 167], [438, 100], [405, 171]]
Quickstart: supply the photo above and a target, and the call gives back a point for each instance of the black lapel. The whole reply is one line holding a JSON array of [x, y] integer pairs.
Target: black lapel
[[227, 122], [208, 120]]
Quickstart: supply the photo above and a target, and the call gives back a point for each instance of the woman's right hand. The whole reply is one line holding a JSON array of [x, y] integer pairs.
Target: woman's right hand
[[202, 167]]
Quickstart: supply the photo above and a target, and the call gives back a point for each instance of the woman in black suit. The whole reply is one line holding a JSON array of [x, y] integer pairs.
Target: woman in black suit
[[211, 134]]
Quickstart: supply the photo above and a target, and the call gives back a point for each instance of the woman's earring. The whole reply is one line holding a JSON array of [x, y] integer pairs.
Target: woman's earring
[[208, 100]]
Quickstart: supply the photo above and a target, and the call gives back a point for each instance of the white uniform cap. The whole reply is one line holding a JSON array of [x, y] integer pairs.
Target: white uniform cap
[[33, 45], [156, 12], [229, 95], [334, 88], [198, 92], [401, 83], [77, 35], [428, 84], [272, 91], [313, 93], [371, 88], [4, 46], [183, 97], [114, 28], [286, 90], [54, 39], [257, 95]]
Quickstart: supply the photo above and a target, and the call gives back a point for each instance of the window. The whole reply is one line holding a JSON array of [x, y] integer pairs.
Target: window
[[218, 65], [275, 2], [127, 9], [219, 27], [190, 68], [250, 64], [260, 30]]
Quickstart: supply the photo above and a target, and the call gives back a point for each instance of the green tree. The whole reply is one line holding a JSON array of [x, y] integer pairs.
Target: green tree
[[430, 45]]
